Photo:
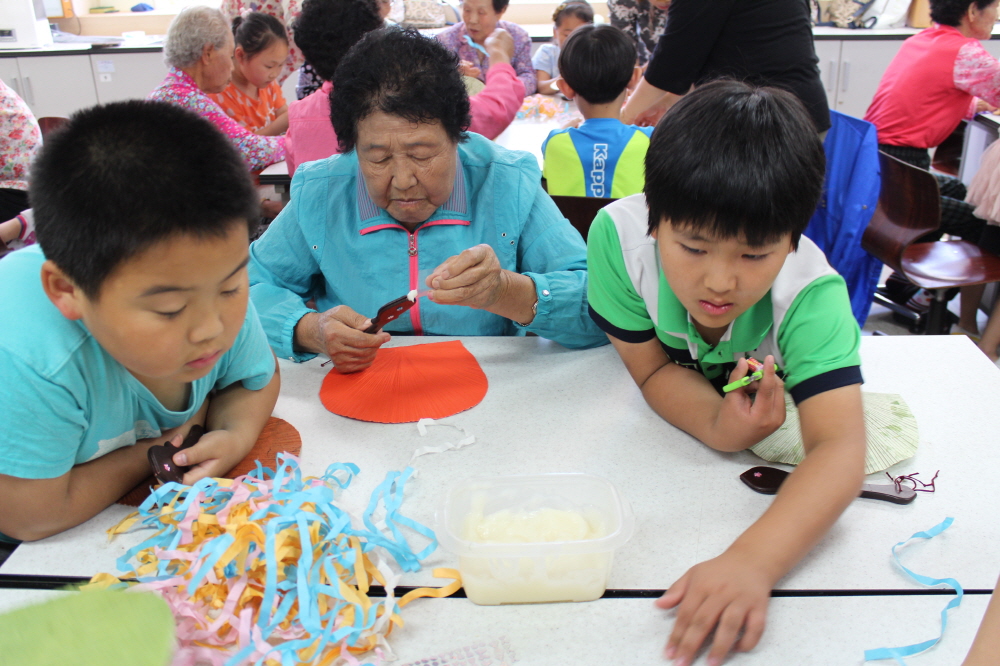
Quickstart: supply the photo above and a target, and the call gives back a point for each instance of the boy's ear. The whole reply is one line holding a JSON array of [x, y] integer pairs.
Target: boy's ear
[[62, 291], [564, 88]]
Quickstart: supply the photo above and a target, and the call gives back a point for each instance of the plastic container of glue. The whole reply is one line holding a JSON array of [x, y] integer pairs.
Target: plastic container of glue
[[534, 538]]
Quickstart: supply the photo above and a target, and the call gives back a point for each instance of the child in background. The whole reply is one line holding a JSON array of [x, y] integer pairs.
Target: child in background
[[603, 156], [253, 98], [568, 17], [705, 268], [129, 322]]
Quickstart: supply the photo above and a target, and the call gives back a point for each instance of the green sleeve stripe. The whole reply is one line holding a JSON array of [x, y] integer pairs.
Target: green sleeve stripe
[[630, 173], [819, 334], [609, 287], [563, 169]]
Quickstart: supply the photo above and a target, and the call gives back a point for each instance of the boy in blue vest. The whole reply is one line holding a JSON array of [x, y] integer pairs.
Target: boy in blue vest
[[705, 269], [603, 156], [129, 322]]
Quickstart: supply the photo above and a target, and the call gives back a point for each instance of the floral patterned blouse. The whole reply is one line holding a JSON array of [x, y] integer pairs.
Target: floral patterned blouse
[[641, 21], [20, 139], [454, 39], [258, 151]]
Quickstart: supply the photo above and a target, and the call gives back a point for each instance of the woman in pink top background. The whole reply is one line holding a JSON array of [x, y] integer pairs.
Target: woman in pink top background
[[327, 29], [929, 87]]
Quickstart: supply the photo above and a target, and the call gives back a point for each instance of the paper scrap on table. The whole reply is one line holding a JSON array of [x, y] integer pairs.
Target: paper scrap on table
[[274, 556], [890, 426], [898, 653], [422, 425], [495, 653]]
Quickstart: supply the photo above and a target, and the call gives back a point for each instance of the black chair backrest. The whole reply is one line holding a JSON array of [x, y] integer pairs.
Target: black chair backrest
[[580, 211], [909, 207]]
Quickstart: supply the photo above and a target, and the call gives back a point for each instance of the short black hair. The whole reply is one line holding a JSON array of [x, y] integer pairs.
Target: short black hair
[[326, 29], [735, 161], [121, 177], [597, 62], [256, 31], [500, 5], [950, 12], [400, 73], [578, 8]]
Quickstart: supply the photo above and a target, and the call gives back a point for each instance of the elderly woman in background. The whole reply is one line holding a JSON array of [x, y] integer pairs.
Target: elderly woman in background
[[480, 18], [412, 194], [199, 52], [931, 84]]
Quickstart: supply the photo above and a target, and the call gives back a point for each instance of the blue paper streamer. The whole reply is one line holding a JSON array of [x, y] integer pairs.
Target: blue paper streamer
[[898, 653], [301, 580], [478, 47]]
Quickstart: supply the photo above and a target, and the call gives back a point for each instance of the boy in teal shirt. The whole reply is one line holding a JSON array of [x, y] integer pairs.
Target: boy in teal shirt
[[706, 268], [603, 156], [129, 322]]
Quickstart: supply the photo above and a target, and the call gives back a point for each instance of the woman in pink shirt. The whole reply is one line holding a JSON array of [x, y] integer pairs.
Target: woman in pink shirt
[[327, 29], [929, 87]]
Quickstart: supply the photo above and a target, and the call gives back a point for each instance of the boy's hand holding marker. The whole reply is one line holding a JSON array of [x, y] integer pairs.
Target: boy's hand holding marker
[[749, 412]]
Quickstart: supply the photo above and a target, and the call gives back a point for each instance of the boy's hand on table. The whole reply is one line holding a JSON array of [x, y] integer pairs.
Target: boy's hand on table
[[729, 594], [217, 452], [751, 413]]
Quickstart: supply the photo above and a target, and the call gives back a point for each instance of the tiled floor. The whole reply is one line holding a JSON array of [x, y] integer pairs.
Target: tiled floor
[[880, 319]]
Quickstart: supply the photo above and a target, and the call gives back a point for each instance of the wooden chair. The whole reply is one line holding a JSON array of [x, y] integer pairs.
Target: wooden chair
[[909, 207], [49, 124], [948, 156], [580, 211]]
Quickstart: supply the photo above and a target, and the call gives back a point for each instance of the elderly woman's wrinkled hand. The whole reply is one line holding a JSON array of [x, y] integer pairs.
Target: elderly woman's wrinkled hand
[[340, 331], [473, 278]]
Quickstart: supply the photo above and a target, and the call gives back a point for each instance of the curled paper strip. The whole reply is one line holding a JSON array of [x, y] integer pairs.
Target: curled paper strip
[[422, 425], [898, 653], [267, 569]]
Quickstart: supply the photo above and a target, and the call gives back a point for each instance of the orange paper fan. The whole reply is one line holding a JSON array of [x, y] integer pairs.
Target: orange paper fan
[[406, 384], [278, 436]]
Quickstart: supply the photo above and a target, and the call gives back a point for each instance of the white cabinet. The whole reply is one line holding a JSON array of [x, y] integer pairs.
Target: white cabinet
[[57, 85], [51, 85], [11, 75], [828, 52], [862, 63], [121, 76]]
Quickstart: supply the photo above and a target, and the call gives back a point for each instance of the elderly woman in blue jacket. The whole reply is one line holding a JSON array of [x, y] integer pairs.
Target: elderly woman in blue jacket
[[413, 194]]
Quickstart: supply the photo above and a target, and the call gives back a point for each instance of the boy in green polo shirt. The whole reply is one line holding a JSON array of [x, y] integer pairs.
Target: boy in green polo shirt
[[706, 268]]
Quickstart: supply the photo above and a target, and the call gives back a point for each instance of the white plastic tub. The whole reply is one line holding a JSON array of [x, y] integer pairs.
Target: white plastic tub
[[509, 573]]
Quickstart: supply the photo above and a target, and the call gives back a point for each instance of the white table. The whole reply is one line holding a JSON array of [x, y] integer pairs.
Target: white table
[[980, 132], [828, 631], [553, 410], [277, 176], [528, 134]]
